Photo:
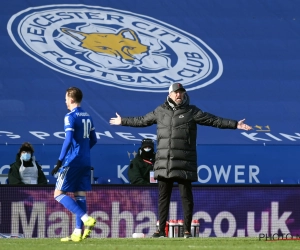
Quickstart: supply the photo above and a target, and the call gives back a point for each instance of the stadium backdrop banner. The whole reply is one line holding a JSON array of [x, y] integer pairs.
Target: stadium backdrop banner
[[223, 211], [237, 59], [217, 164]]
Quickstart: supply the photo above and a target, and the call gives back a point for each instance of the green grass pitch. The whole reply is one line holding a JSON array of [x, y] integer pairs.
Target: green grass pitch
[[149, 244]]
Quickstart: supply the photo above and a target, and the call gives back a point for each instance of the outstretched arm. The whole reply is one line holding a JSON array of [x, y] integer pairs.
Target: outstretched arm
[[138, 121], [115, 120], [242, 125]]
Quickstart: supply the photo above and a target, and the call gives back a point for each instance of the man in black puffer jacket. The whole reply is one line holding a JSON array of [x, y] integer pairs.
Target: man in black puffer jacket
[[176, 156]]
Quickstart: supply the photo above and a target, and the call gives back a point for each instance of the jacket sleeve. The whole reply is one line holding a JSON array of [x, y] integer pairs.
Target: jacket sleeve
[[140, 121], [93, 138], [135, 176], [207, 119], [42, 180], [14, 177]]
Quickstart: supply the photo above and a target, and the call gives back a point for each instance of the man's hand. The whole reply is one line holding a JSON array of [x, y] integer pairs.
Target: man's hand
[[242, 125], [116, 120], [58, 166]]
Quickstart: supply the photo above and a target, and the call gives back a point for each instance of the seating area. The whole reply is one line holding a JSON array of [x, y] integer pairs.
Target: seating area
[[94, 179]]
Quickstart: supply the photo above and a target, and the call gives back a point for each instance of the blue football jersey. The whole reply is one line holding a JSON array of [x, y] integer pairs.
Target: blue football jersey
[[81, 124]]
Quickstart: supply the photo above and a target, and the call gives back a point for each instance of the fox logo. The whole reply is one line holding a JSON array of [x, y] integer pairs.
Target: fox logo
[[127, 50], [114, 48]]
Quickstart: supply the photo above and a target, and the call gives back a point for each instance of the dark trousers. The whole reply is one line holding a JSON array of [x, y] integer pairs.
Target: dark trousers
[[165, 190]]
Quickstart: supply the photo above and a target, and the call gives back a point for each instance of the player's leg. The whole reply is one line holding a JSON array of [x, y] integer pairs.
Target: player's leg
[[85, 185], [67, 182], [80, 199]]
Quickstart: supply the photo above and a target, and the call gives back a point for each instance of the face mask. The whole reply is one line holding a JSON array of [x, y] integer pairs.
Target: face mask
[[25, 156], [147, 149]]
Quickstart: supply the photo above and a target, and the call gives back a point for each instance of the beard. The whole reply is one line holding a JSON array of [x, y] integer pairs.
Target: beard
[[178, 101]]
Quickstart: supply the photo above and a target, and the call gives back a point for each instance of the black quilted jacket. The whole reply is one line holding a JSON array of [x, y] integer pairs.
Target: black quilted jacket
[[176, 155]]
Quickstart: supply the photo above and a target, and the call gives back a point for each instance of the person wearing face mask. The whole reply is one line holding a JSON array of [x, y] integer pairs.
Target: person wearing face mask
[[25, 170], [176, 155], [142, 165]]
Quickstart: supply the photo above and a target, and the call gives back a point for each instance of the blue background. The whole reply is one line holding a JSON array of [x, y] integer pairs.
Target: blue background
[[259, 45]]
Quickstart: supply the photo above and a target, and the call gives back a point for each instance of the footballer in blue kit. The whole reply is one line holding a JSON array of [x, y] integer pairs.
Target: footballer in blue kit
[[75, 152], [74, 164], [80, 124]]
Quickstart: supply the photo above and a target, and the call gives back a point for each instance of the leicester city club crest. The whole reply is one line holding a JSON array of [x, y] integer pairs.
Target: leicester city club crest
[[114, 48]]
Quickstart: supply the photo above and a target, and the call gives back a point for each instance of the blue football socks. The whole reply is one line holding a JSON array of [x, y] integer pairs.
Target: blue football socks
[[81, 201], [71, 205]]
